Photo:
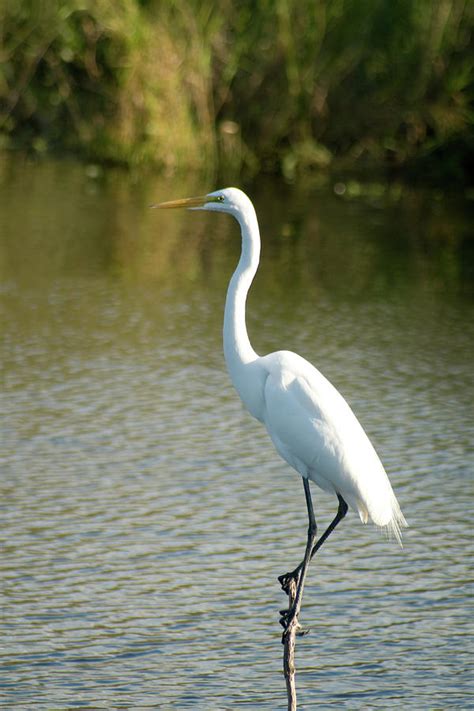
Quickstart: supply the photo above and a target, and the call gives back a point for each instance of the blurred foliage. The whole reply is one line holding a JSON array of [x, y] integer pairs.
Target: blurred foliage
[[279, 85], [100, 78]]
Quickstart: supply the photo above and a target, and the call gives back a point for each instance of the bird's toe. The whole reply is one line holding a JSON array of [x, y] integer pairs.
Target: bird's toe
[[299, 631], [288, 579], [285, 617]]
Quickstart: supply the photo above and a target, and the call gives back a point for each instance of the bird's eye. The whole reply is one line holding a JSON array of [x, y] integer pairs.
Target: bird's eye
[[220, 198]]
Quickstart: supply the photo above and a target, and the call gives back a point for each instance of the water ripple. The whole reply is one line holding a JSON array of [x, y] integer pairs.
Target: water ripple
[[145, 518]]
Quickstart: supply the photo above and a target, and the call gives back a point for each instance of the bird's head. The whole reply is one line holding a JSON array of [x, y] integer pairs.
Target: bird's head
[[230, 200]]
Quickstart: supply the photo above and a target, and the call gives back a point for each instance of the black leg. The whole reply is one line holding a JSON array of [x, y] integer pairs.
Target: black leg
[[341, 512], [299, 574]]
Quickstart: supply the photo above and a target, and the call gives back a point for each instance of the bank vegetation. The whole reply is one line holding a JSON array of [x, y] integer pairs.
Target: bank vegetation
[[278, 85]]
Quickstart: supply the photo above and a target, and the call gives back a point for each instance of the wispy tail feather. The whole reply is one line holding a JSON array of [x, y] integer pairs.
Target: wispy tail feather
[[394, 527]]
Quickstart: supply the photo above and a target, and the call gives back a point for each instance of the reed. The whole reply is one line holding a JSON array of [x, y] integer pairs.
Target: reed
[[289, 85]]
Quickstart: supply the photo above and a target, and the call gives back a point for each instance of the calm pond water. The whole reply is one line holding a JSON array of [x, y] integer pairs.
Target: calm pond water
[[145, 516]]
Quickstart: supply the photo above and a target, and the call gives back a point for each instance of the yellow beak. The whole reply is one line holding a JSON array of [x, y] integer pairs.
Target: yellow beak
[[184, 202]]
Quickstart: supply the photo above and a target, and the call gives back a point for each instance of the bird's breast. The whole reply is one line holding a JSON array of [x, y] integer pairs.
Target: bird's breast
[[249, 380]]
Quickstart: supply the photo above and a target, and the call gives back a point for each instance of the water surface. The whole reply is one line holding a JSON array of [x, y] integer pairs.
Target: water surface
[[145, 516]]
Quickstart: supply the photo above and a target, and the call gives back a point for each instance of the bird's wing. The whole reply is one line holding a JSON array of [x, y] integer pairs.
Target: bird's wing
[[315, 430], [301, 410]]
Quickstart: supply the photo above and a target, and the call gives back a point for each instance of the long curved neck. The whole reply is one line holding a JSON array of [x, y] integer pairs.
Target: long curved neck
[[238, 351]]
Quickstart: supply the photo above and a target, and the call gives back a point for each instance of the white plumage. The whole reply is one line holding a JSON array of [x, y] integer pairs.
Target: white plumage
[[315, 431], [311, 425]]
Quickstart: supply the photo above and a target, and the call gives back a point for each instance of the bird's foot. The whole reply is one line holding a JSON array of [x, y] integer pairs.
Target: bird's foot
[[287, 617], [288, 620], [290, 581]]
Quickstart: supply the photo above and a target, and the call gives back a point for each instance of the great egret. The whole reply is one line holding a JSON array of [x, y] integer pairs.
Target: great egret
[[309, 422]]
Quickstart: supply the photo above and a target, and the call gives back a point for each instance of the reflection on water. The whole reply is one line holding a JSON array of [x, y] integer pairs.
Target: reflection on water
[[145, 516]]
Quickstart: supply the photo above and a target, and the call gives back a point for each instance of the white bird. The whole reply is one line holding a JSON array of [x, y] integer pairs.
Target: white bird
[[309, 422]]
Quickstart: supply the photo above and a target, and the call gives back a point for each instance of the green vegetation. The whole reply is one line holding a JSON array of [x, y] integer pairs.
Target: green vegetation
[[278, 85]]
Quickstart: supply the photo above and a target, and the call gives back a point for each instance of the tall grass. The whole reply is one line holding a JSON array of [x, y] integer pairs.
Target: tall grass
[[282, 85], [107, 79]]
